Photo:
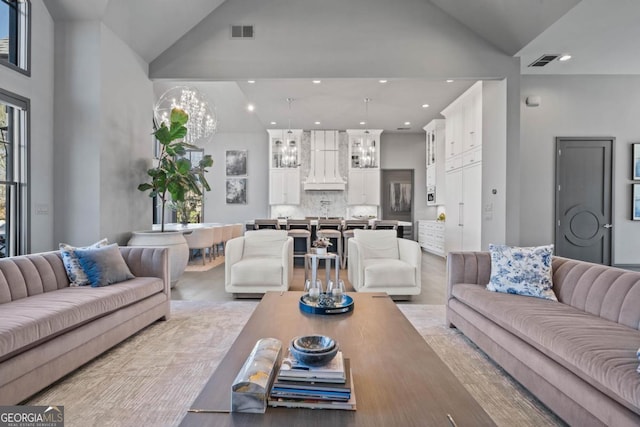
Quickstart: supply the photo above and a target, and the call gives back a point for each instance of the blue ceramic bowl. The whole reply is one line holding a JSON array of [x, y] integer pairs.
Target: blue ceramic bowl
[[313, 359], [313, 343]]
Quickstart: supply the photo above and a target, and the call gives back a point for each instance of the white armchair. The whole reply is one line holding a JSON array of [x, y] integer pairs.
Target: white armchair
[[379, 261], [258, 262]]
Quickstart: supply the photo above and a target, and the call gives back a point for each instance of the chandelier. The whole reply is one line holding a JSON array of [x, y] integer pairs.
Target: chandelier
[[202, 122]]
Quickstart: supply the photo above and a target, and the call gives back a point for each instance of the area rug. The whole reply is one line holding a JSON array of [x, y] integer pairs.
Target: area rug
[[152, 378]]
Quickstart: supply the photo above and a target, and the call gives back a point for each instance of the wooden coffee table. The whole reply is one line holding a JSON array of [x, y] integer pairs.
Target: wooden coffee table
[[399, 380]]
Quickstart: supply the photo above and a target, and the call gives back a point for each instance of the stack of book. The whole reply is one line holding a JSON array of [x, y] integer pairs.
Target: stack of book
[[317, 387]]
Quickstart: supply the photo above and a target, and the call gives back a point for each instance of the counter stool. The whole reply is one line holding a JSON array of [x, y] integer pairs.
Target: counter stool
[[347, 233], [332, 229], [385, 224], [300, 229], [260, 224]]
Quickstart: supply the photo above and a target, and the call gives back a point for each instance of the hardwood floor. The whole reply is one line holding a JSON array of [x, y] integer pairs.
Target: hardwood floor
[[209, 285]]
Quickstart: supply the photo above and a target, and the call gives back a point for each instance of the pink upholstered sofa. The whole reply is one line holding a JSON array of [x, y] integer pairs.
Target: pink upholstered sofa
[[48, 329], [578, 355]]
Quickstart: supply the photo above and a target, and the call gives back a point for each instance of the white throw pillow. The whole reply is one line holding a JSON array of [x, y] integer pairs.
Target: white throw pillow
[[378, 243], [264, 243], [522, 271]]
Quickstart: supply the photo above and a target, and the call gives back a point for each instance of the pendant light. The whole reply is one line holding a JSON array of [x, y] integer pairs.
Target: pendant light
[[290, 147], [368, 146]]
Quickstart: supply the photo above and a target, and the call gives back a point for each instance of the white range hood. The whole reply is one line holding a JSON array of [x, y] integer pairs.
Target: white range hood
[[324, 174]]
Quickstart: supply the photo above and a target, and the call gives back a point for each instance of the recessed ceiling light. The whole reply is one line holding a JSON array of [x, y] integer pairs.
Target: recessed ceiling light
[[407, 123], [317, 123], [251, 107], [274, 123], [425, 105], [449, 81], [564, 58], [383, 81], [363, 123], [251, 81], [317, 82]]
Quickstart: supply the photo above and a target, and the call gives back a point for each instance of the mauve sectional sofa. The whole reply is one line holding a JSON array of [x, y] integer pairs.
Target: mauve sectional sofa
[[48, 329], [578, 355]]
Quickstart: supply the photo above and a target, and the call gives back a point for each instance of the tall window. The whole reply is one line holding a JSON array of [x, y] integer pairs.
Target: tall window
[[13, 174], [15, 34]]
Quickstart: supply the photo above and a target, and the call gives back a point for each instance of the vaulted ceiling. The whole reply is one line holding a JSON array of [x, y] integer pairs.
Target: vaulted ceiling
[[601, 35]]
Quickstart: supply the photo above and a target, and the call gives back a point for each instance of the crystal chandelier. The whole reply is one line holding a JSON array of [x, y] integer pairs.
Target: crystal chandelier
[[202, 122]]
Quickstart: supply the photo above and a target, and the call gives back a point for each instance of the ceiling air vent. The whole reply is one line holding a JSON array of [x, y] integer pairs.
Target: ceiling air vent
[[242, 31], [544, 60], [403, 128]]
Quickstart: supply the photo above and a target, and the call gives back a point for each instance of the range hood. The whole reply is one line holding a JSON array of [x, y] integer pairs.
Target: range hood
[[324, 174]]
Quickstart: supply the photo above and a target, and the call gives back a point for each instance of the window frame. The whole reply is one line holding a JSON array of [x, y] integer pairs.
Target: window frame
[[19, 232], [23, 43]]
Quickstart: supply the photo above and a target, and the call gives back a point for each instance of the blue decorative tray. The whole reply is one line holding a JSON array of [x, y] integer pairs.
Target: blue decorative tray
[[317, 307]]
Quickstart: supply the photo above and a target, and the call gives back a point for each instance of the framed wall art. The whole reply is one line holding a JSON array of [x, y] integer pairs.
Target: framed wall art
[[635, 203], [236, 162], [236, 191], [635, 155]]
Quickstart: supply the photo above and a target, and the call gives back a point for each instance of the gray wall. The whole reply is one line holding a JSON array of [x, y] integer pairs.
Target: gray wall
[[257, 145], [578, 106], [494, 162], [408, 151], [368, 38], [127, 146], [39, 89], [101, 135]]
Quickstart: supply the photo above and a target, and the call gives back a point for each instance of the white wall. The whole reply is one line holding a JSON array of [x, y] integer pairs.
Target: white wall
[[39, 89], [583, 106]]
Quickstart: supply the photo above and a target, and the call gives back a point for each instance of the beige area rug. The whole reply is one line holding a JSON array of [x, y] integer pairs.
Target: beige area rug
[[195, 264], [152, 378]]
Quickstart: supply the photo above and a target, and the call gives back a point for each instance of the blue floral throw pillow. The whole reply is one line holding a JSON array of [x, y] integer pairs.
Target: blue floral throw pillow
[[522, 271], [104, 266], [76, 274]]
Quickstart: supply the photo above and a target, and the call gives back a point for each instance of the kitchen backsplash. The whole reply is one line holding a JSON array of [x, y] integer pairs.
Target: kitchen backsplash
[[322, 203]]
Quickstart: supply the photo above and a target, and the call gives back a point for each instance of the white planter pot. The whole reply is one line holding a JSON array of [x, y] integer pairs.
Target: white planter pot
[[174, 240]]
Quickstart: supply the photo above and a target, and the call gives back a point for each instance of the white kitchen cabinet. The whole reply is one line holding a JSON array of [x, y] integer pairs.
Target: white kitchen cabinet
[[431, 236], [463, 172], [284, 186], [284, 166], [364, 187], [435, 164]]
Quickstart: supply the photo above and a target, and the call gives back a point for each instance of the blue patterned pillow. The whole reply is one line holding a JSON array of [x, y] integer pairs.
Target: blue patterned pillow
[[104, 266], [76, 274], [522, 271]]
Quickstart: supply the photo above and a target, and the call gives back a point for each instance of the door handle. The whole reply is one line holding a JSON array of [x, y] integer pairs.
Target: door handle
[[608, 226]]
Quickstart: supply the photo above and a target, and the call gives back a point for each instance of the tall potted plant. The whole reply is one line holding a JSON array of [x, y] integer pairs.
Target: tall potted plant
[[175, 176], [171, 180]]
